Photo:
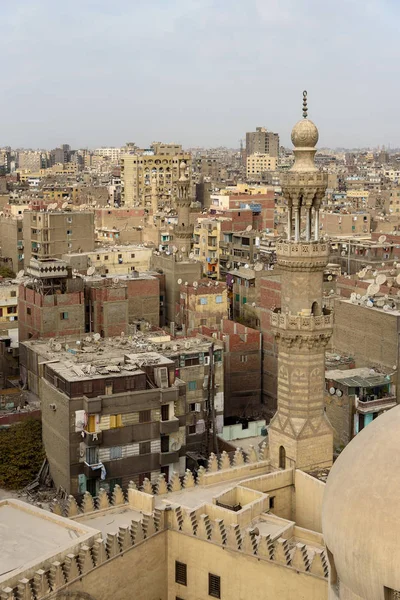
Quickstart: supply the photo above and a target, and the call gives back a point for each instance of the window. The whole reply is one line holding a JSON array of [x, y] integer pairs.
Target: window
[[106, 257], [180, 573], [28, 311], [243, 358], [91, 424], [87, 387], [132, 256], [91, 486], [115, 421], [164, 412], [191, 429], [144, 448], [115, 452], [69, 231], [64, 316], [244, 300], [98, 257], [130, 383], [144, 416], [203, 301], [218, 299], [214, 585], [119, 255], [192, 386], [282, 457], [237, 297], [91, 455], [13, 294], [192, 407], [272, 501]]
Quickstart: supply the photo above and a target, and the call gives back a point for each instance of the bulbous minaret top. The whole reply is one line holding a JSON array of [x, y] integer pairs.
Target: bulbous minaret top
[[304, 138]]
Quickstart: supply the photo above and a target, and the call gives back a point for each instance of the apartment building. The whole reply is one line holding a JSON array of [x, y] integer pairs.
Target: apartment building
[[8, 304], [203, 302], [108, 413], [12, 241], [262, 142], [354, 223], [256, 164], [51, 234], [138, 170], [113, 154], [31, 161], [115, 260]]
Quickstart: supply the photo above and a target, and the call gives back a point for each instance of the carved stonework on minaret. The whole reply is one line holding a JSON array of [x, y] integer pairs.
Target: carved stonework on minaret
[[183, 231], [300, 434]]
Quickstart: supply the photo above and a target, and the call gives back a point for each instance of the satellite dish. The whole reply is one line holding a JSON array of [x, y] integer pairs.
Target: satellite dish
[[67, 346], [64, 205], [20, 273], [187, 345], [191, 255], [57, 346], [51, 341], [179, 281], [258, 266], [381, 279], [353, 297], [330, 278], [115, 280], [175, 348], [253, 304], [362, 273], [398, 279], [339, 393], [246, 266], [370, 304], [228, 265], [183, 249], [88, 339], [373, 289], [91, 271], [332, 391], [343, 253], [382, 239], [96, 337], [186, 283], [174, 249], [249, 228], [195, 284], [380, 302]]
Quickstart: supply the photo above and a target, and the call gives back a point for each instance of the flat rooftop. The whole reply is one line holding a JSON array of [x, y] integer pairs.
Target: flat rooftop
[[361, 377], [29, 534]]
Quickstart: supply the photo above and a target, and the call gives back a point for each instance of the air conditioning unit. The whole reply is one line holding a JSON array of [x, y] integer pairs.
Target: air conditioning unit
[[206, 360], [197, 407], [161, 377]]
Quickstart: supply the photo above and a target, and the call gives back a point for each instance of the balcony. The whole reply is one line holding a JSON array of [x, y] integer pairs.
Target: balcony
[[170, 426], [298, 322], [93, 439], [372, 406], [167, 458]]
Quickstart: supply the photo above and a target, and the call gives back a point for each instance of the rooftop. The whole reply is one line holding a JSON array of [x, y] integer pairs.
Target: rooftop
[[28, 535], [361, 377]]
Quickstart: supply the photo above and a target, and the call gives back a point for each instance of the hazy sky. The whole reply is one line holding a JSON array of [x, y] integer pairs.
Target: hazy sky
[[197, 72]]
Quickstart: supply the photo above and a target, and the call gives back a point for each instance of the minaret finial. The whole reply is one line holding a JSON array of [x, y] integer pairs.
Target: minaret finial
[[305, 109]]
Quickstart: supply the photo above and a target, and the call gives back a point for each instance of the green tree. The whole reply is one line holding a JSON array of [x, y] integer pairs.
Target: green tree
[[21, 453], [6, 272]]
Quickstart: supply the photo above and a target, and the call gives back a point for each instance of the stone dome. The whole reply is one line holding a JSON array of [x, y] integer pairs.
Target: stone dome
[[360, 513], [305, 134]]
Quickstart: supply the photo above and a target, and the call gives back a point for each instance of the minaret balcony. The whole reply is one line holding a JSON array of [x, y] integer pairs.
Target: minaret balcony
[[289, 248], [302, 323]]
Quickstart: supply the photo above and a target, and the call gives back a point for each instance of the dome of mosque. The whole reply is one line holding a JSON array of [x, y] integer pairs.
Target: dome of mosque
[[360, 513]]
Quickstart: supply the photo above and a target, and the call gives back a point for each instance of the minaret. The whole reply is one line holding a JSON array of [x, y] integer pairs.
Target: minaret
[[300, 434], [183, 232]]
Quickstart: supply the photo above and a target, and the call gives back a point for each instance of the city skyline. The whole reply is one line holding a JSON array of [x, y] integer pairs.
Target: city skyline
[[198, 73]]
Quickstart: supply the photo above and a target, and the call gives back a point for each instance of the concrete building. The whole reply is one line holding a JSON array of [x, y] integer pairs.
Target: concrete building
[[354, 398], [8, 304], [113, 423], [117, 260], [52, 234], [12, 241], [113, 154], [263, 142], [51, 303], [256, 164], [339, 224], [203, 303], [137, 170], [30, 161]]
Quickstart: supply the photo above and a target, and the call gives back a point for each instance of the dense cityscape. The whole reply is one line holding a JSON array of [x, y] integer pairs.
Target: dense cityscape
[[199, 338]]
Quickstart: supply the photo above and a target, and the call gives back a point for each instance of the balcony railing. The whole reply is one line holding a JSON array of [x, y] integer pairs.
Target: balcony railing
[[299, 322], [368, 406]]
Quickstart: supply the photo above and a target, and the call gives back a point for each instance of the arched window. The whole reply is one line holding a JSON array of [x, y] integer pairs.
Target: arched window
[[282, 457], [315, 309]]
